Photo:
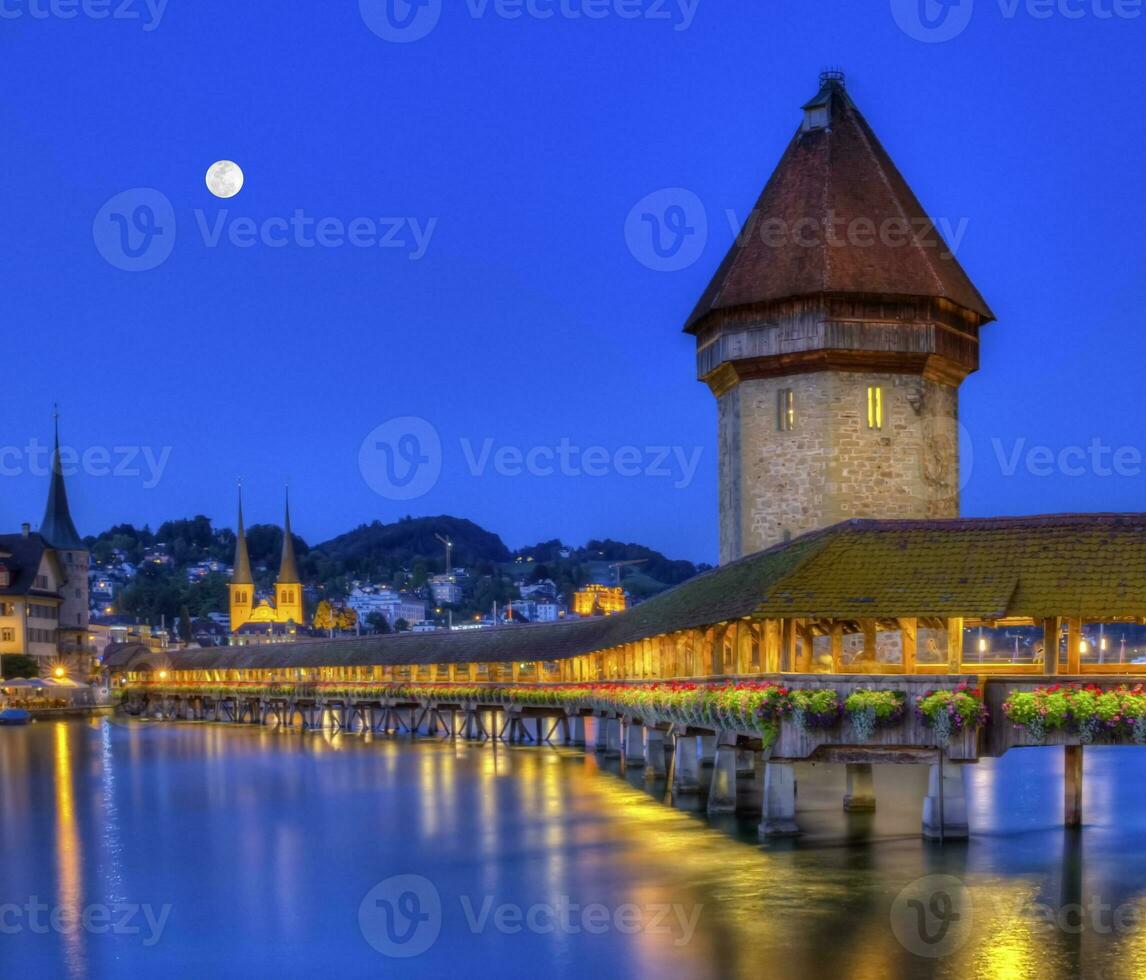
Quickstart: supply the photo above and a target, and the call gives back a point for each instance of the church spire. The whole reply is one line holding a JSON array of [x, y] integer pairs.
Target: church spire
[[288, 567], [242, 574], [57, 527]]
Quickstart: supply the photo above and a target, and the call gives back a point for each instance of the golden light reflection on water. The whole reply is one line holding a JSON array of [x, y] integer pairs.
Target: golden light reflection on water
[[69, 855], [550, 825]]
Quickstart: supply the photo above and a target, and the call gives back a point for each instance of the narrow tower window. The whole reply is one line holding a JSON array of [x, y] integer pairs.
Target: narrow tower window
[[875, 407], [786, 410]]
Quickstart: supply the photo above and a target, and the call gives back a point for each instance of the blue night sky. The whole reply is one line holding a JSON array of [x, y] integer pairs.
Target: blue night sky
[[516, 148]]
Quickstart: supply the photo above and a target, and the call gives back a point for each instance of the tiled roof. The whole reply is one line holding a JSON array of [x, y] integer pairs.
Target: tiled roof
[[835, 176], [22, 556], [1088, 566]]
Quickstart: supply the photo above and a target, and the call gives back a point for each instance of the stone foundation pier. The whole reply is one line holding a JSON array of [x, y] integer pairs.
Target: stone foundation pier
[[860, 795], [779, 811], [945, 807], [686, 767]]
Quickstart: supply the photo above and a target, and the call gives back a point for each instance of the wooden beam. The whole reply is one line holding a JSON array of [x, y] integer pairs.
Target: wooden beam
[[1074, 646], [807, 648], [788, 645], [909, 628], [771, 642], [955, 644], [1052, 630], [837, 635], [870, 641]]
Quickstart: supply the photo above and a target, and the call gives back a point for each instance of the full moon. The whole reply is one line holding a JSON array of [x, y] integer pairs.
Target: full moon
[[225, 179]]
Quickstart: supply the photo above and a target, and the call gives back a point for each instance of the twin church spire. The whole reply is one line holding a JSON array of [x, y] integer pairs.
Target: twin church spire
[[287, 607]]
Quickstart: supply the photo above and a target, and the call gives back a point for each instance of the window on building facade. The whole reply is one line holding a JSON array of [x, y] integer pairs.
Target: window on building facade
[[8, 636], [786, 410], [875, 407]]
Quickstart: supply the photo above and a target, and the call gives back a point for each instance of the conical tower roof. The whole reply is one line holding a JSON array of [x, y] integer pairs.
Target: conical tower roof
[[57, 527], [242, 574], [288, 567], [837, 217]]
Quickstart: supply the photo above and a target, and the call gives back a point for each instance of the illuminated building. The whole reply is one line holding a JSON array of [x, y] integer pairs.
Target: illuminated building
[[599, 600], [266, 621]]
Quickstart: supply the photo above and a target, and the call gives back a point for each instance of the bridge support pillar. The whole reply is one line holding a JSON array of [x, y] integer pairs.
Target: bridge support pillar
[[601, 744], [860, 796], [1072, 811], [655, 752], [707, 750], [945, 808], [685, 767], [779, 809], [577, 731], [722, 792], [634, 746], [613, 738]]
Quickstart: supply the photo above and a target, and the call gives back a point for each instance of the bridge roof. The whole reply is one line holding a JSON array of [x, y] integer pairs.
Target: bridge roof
[[1088, 566]]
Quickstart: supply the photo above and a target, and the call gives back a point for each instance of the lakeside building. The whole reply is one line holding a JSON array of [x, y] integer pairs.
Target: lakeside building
[[44, 595]]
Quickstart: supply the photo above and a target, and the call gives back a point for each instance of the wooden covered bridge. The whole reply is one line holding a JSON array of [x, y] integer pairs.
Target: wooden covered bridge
[[912, 605]]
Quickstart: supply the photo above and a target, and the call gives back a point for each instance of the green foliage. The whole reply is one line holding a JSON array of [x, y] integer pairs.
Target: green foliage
[[1116, 714], [17, 666]]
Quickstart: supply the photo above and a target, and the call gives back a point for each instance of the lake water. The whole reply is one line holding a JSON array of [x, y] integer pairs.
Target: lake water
[[202, 850]]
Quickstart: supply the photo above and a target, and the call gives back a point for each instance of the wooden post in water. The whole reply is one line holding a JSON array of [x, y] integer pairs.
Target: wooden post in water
[[1072, 816]]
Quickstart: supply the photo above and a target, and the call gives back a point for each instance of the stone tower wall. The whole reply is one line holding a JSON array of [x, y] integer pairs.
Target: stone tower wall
[[776, 485]]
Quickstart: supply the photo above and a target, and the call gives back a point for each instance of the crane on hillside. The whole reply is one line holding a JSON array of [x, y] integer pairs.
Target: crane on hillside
[[620, 566], [449, 550]]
